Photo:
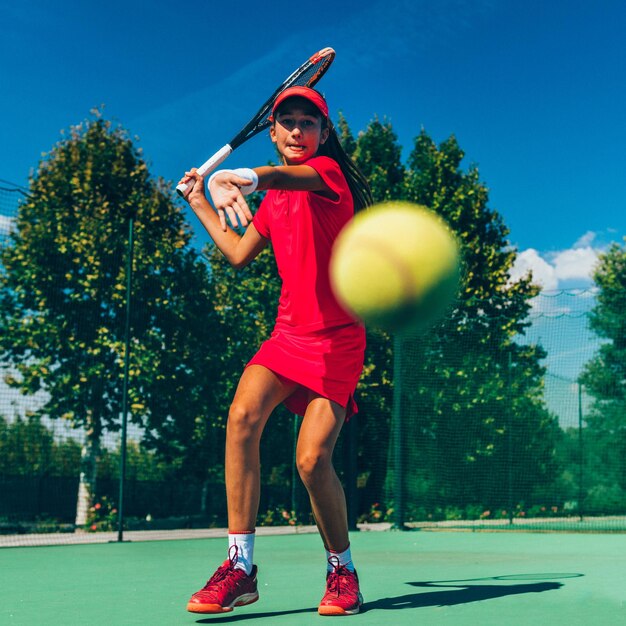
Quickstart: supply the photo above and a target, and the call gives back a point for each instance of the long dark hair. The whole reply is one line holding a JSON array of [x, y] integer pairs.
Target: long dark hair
[[359, 187]]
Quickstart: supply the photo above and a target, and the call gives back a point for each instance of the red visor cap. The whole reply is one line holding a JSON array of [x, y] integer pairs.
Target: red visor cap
[[303, 92]]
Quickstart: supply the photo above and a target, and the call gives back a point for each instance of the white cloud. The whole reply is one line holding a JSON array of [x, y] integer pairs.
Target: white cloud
[[560, 273], [530, 260], [553, 269], [575, 264], [5, 225], [586, 240]]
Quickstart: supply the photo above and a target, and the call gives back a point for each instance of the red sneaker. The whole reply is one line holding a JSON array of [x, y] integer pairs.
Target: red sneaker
[[227, 588], [342, 596]]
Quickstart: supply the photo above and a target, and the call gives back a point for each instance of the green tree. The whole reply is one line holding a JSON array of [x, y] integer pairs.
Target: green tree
[[28, 448], [62, 301], [141, 465], [472, 395], [485, 404], [377, 153], [604, 377]]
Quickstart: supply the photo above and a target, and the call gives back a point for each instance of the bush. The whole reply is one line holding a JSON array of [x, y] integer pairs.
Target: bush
[[278, 516], [605, 500], [102, 516], [377, 513]]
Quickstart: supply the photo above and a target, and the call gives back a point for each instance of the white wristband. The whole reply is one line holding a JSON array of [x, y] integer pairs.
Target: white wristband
[[243, 172], [250, 174]]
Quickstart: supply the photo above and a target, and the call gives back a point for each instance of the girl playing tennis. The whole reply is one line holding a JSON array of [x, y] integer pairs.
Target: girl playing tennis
[[314, 356]]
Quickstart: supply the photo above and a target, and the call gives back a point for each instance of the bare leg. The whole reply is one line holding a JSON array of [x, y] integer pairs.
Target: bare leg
[[318, 435], [258, 393]]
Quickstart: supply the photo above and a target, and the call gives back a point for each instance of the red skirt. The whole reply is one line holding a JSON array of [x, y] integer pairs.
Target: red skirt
[[328, 362]]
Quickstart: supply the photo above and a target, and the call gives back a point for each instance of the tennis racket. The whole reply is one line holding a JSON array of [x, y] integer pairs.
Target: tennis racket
[[307, 75]]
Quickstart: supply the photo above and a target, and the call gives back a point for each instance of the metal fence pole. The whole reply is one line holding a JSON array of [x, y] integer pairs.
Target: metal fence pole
[[351, 471], [396, 419], [294, 471], [580, 452], [510, 438], [129, 282]]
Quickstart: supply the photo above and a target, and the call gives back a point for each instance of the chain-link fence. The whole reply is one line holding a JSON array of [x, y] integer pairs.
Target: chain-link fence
[[463, 432], [486, 442]]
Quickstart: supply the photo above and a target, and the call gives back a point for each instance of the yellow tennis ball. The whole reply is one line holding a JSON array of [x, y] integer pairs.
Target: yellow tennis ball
[[396, 266]]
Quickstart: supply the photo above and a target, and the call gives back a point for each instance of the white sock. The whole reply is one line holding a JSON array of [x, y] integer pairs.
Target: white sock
[[339, 558], [244, 541]]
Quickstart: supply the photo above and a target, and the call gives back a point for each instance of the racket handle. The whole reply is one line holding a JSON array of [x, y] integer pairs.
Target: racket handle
[[208, 166]]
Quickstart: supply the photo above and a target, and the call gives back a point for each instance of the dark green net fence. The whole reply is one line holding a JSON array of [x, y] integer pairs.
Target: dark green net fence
[[456, 429]]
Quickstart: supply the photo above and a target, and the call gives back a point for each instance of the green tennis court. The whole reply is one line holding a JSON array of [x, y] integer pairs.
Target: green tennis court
[[414, 577]]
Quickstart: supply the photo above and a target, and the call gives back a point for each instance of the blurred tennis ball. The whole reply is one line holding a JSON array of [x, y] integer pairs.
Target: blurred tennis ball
[[396, 266]]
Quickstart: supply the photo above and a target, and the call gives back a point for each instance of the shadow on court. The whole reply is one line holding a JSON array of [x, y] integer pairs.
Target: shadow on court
[[462, 595], [240, 617]]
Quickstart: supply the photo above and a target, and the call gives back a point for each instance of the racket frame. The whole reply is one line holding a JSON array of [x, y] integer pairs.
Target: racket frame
[[261, 120]]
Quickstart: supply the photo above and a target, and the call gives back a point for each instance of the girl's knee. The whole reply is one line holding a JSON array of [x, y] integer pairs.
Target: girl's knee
[[243, 421], [312, 464]]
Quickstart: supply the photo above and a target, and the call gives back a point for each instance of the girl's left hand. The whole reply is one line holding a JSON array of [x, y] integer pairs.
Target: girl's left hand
[[228, 199]]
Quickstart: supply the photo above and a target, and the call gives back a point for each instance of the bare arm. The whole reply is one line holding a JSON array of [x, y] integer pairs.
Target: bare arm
[[292, 177], [229, 202]]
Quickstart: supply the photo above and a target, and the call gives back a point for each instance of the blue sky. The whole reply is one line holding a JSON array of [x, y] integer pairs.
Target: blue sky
[[534, 92]]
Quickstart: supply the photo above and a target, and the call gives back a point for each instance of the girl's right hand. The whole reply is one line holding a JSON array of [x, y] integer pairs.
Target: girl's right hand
[[196, 181]]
